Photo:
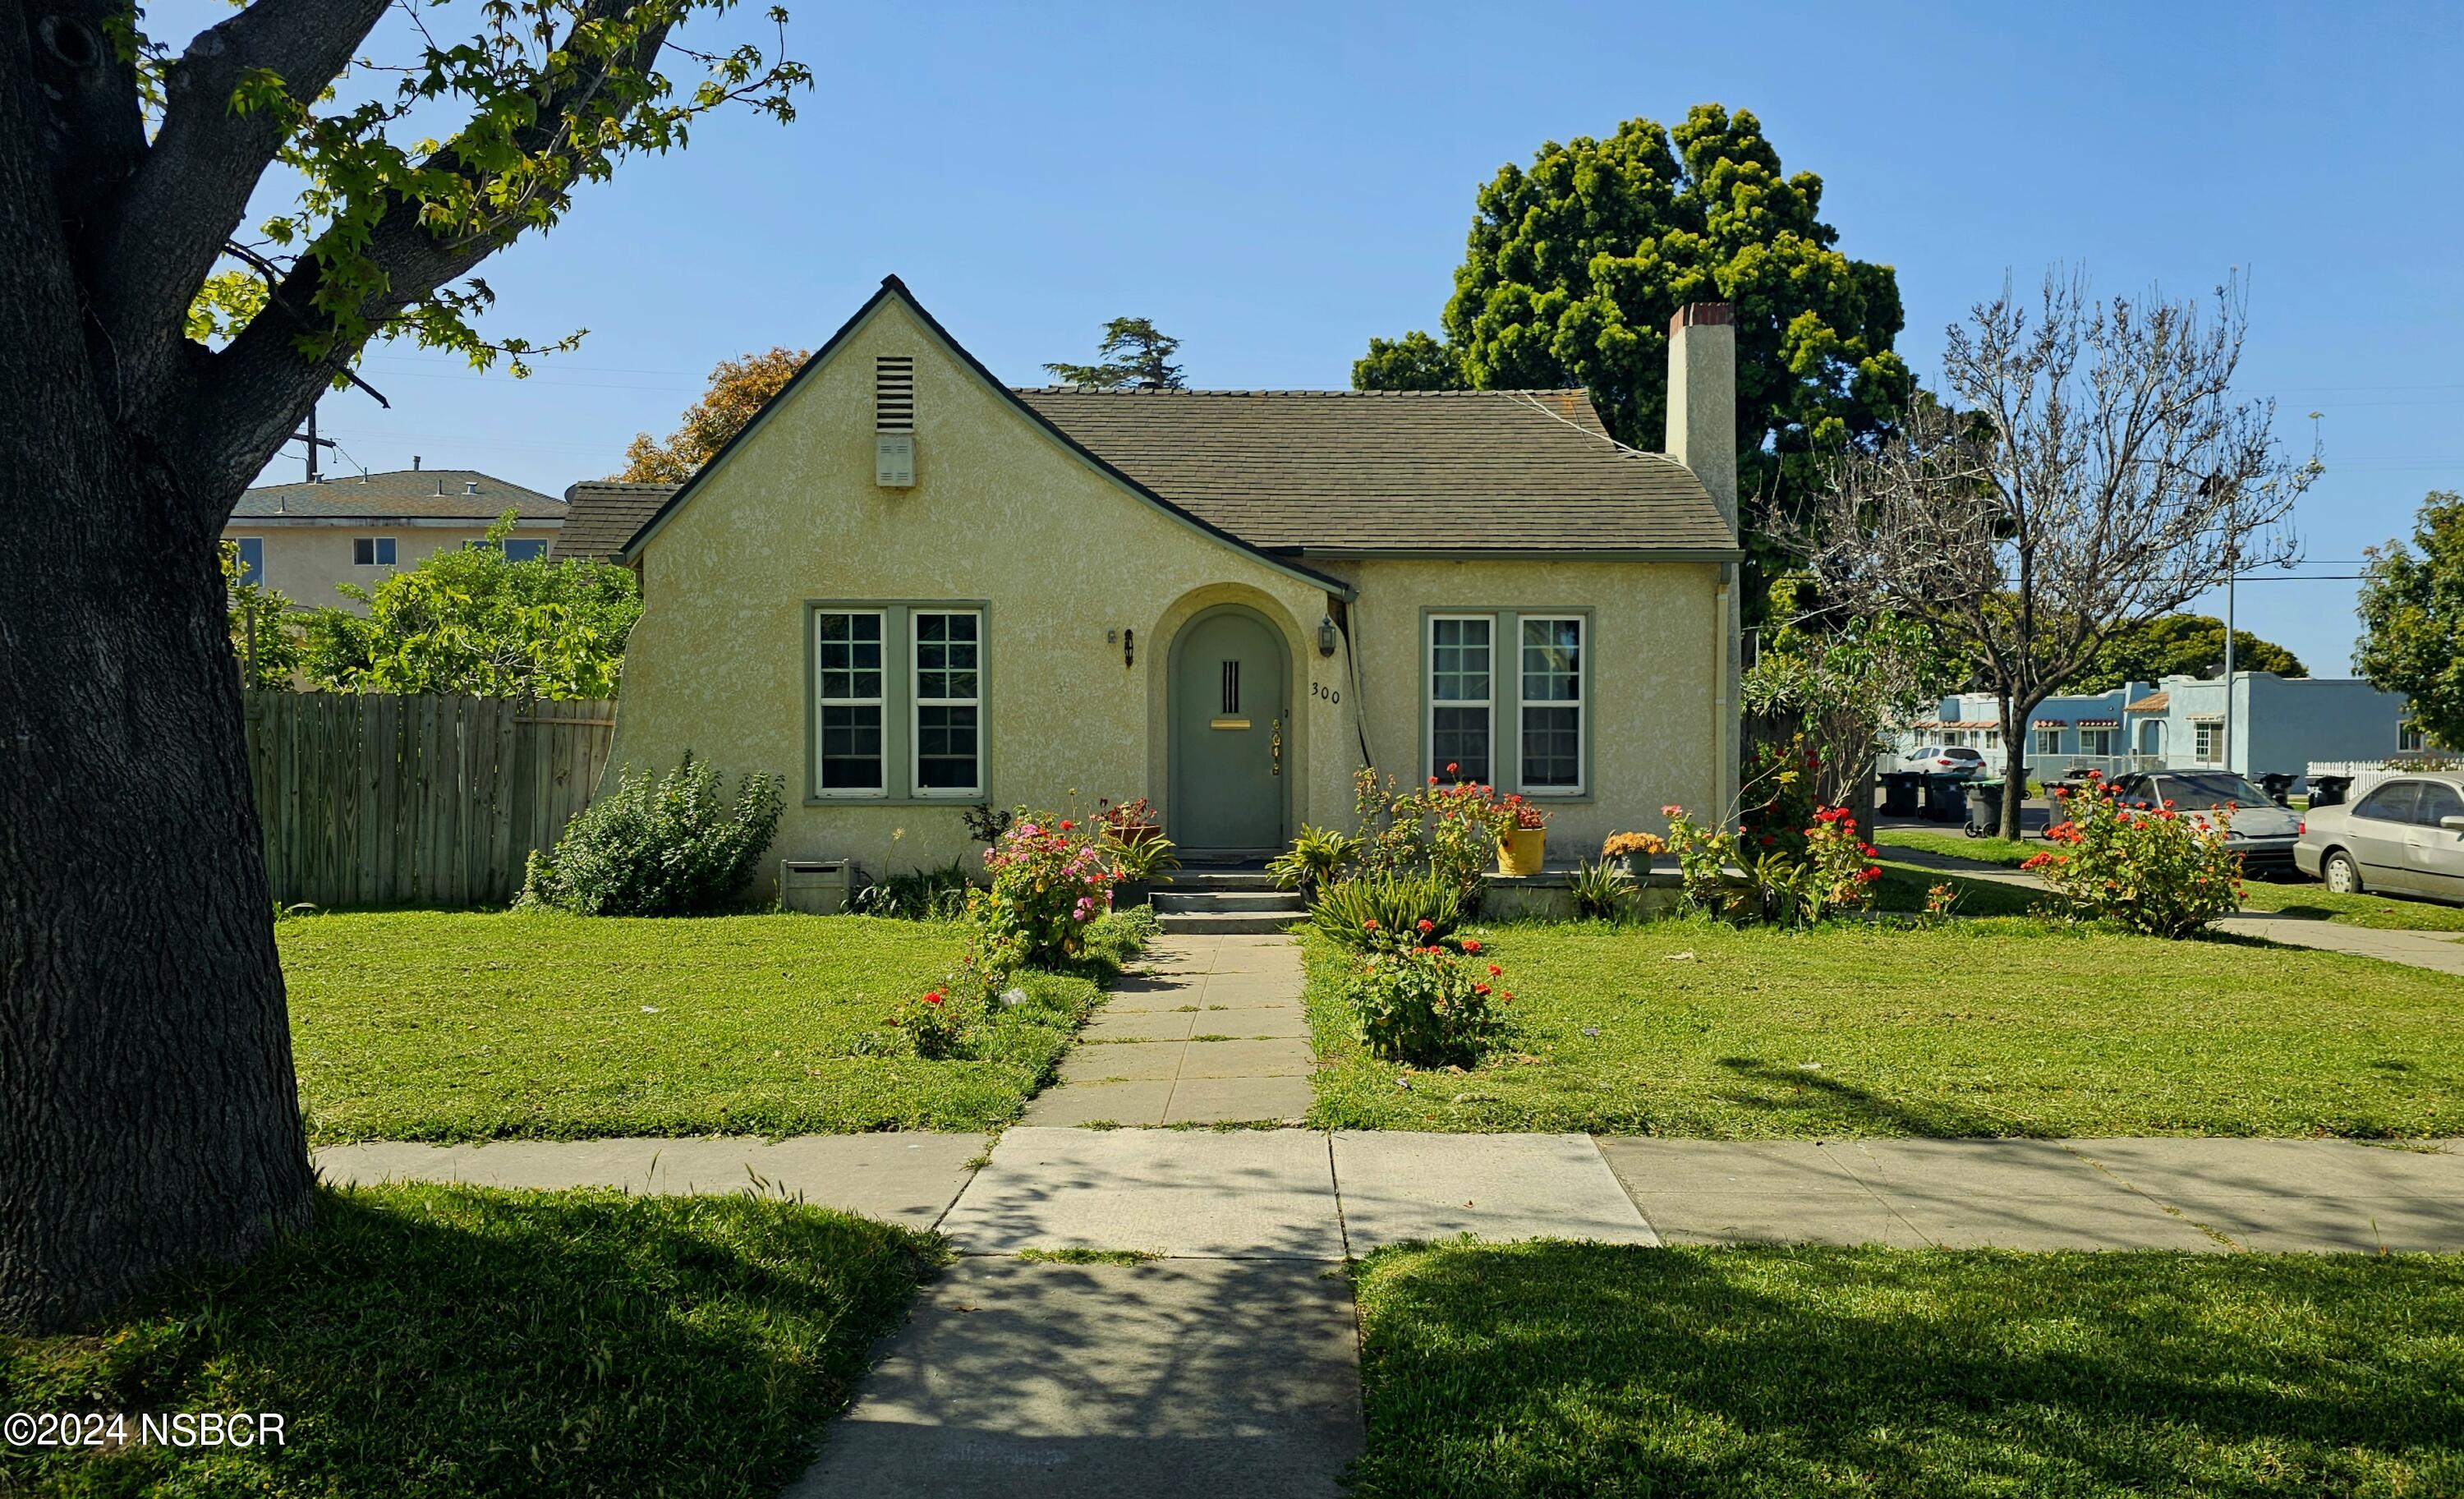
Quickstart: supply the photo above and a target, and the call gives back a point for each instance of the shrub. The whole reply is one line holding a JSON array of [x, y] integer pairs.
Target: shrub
[[673, 847], [2156, 872], [1702, 856], [1421, 1003], [1355, 911], [1779, 794], [1601, 891], [1449, 833], [1049, 882], [1835, 873], [1316, 859], [932, 1025], [1140, 858]]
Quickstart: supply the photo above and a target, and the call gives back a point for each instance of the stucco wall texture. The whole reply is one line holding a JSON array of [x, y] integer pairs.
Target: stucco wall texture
[[1062, 560], [304, 562]]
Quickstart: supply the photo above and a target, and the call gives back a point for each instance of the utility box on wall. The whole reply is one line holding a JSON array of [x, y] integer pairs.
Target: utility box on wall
[[893, 460], [815, 887]]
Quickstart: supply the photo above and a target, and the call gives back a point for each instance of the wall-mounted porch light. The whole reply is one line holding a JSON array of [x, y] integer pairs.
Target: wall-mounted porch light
[[1326, 635]]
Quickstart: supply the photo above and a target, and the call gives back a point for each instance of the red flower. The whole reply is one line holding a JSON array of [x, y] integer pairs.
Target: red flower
[[1369, 926], [933, 998], [1453, 769], [1480, 989], [1433, 781], [1067, 824], [1427, 925], [1471, 945], [1494, 970]]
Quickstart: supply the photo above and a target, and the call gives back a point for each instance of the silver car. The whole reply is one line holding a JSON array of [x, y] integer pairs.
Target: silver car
[[2263, 833], [2406, 835]]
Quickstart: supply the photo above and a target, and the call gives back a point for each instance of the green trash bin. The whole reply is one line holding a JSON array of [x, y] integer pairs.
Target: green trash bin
[[1984, 808]]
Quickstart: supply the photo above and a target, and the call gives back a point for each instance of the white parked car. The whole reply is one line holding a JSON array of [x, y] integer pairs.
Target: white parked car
[[2407, 836], [1946, 760]]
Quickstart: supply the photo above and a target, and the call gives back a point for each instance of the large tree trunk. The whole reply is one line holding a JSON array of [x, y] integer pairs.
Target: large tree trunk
[[149, 1117], [2014, 765]]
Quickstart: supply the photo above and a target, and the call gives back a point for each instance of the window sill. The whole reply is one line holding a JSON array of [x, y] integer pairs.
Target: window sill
[[877, 799]]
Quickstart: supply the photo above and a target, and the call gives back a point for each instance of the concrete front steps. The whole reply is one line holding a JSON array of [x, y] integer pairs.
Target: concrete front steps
[[1220, 903]]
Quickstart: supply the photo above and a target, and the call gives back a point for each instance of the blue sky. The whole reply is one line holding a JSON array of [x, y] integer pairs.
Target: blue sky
[[1274, 184]]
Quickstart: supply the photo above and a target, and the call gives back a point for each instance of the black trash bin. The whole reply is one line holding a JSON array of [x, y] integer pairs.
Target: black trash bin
[[1984, 808], [1900, 789], [2330, 790], [1946, 798], [2278, 787]]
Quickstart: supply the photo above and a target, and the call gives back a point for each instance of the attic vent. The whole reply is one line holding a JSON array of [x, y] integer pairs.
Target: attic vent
[[893, 393], [893, 421]]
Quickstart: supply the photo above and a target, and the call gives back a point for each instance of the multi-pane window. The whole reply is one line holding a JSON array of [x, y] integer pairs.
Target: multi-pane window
[[847, 658], [2046, 738], [1552, 705], [2409, 738], [1461, 681], [373, 551], [2096, 741], [251, 559], [949, 702], [2209, 747]]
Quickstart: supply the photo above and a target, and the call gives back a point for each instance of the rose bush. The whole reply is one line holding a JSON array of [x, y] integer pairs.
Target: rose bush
[[932, 1025], [1419, 1001], [2156, 870], [1051, 881]]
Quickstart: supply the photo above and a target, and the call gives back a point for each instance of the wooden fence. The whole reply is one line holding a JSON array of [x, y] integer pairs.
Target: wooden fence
[[376, 800]]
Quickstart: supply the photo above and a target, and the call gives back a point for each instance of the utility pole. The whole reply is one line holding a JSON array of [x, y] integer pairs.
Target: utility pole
[[2232, 571], [314, 442]]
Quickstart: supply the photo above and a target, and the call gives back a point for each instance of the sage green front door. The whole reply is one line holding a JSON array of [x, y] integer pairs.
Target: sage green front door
[[1230, 725]]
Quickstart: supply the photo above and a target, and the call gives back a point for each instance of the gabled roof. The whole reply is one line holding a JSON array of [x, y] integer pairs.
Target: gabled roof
[[602, 516], [427, 493], [1285, 475], [892, 286], [1369, 472]]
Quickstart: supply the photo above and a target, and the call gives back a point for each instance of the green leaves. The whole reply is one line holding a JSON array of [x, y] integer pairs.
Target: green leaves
[[2413, 618], [468, 621], [1575, 266]]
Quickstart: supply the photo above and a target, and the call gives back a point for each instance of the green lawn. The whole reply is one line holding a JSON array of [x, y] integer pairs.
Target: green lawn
[[1985, 1027], [445, 1341], [1556, 1369], [2304, 897], [446, 1026]]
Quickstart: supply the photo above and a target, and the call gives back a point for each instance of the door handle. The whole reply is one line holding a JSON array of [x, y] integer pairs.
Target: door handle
[[1275, 746]]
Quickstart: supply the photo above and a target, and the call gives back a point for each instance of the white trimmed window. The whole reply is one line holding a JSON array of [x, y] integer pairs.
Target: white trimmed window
[[251, 559], [849, 703], [1551, 724], [2409, 738], [2096, 742], [2046, 738], [373, 551], [1461, 695], [2207, 744], [947, 727]]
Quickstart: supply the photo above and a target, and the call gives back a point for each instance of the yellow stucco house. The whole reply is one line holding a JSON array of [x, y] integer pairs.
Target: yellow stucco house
[[906, 589]]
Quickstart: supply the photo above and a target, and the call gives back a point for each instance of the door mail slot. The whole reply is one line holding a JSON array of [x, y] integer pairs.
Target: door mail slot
[[1227, 724]]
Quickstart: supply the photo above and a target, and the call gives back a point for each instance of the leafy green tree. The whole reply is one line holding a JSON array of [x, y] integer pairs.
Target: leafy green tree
[[738, 389], [1576, 265], [468, 620], [264, 633], [1133, 356], [2179, 645], [149, 1111], [2412, 605]]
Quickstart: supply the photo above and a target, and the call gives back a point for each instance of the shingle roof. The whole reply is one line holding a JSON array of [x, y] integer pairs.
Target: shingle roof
[[1340, 471], [436, 493], [604, 516]]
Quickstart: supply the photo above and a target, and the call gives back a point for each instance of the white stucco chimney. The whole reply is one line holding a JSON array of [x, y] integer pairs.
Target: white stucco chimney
[[1702, 399]]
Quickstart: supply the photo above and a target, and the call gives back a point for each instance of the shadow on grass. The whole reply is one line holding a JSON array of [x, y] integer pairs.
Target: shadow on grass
[[456, 1341], [1784, 1089], [1563, 1369]]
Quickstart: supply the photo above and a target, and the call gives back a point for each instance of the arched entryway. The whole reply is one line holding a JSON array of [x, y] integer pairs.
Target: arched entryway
[[1231, 733]]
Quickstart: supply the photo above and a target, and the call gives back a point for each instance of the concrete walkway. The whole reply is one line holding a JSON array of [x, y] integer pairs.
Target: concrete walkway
[[1209, 1030], [2433, 950]]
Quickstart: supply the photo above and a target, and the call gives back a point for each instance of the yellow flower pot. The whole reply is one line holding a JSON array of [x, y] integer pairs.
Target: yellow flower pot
[[1523, 850]]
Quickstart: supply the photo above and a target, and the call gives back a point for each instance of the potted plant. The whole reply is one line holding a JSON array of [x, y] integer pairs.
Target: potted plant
[[1634, 850], [1130, 822], [1138, 866], [1522, 847]]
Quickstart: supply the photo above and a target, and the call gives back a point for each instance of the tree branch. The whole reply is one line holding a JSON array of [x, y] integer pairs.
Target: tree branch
[[163, 232]]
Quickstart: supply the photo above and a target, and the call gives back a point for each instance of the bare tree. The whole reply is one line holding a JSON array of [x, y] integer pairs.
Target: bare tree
[[149, 1116], [2092, 469]]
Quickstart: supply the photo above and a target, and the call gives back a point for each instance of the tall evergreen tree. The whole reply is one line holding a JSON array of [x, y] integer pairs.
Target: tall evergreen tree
[[1133, 356]]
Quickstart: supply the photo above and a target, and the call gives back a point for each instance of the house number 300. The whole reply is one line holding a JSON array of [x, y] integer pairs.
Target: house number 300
[[1332, 695]]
